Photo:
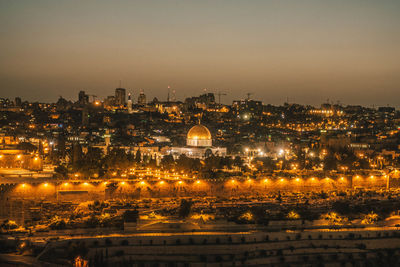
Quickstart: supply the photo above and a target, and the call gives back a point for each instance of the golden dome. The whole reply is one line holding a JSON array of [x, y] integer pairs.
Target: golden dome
[[199, 132]]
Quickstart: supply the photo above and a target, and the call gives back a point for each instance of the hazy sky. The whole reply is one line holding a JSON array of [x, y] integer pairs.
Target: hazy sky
[[309, 51]]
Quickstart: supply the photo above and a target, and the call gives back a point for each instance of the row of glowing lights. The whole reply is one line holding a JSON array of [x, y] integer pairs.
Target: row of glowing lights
[[312, 179], [233, 181], [20, 157], [105, 183]]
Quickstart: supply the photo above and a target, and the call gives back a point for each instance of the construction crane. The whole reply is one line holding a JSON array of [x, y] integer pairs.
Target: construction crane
[[219, 97], [248, 95]]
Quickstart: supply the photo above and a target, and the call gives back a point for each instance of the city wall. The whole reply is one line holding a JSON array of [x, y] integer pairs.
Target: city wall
[[77, 191]]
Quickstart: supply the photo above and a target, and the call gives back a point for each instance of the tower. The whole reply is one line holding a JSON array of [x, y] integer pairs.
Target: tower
[[142, 98], [83, 98], [120, 96], [129, 104]]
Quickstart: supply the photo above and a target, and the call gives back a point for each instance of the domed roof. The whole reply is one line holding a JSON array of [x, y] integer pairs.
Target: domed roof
[[199, 132]]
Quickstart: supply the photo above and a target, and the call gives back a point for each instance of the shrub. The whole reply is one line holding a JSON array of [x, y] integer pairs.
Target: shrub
[[119, 253]]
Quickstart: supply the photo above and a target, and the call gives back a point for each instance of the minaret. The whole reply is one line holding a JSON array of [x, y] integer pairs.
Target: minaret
[[130, 111]]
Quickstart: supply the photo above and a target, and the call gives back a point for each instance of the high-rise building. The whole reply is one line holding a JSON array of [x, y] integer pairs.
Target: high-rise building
[[120, 96], [85, 116], [129, 104], [142, 98], [109, 101], [83, 98], [18, 101]]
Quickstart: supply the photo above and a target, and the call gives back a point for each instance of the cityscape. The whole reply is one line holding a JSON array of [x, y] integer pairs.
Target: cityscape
[[168, 175]]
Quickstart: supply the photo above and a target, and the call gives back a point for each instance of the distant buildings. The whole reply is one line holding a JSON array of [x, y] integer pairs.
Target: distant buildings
[[13, 154], [142, 98], [203, 101], [83, 98], [247, 108], [120, 94], [130, 108]]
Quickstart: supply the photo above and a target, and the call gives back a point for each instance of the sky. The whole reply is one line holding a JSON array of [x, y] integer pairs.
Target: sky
[[304, 51]]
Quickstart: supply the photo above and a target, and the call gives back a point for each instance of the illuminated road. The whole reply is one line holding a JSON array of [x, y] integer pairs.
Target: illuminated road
[[18, 260]]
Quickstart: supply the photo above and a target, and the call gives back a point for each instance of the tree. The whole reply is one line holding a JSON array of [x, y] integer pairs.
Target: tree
[[76, 156], [212, 163], [152, 162], [330, 162], [92, 161], [293, 215], [370, 218], [184, 163], [334, 219], [238, 162], [185, 208], [167, 162], [62, 170], [27, 146], [138, 156], [9, 225], [61, 145], [57, 223]]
